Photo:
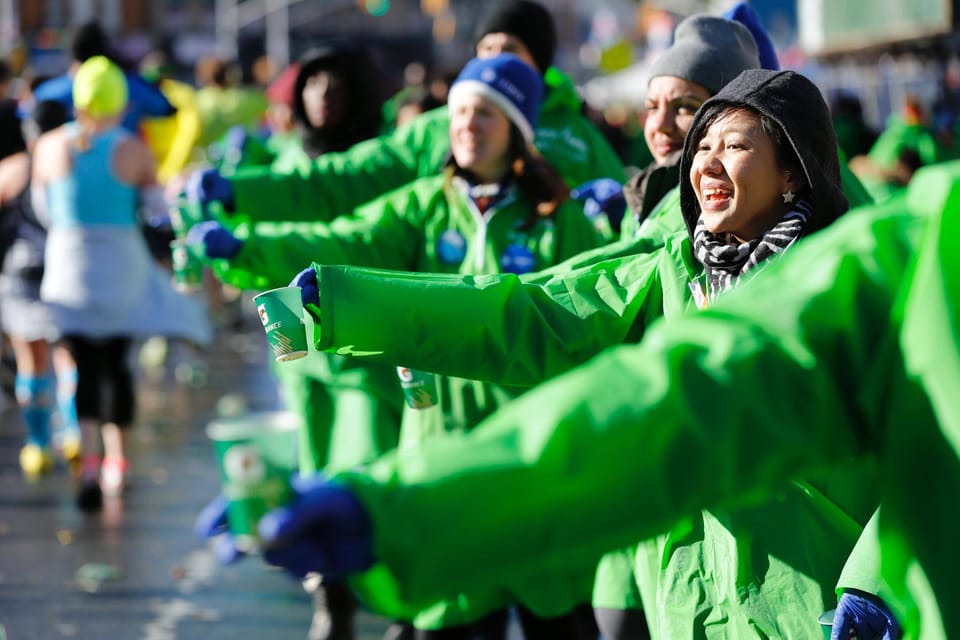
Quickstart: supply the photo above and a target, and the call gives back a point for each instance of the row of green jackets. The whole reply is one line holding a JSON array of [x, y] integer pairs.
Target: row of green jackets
[[338, 183], [789, 408], [522, 330]]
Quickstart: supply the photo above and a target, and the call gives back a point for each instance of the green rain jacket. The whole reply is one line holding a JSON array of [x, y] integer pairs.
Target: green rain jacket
[[521, 332], [410, 229], [340, 182], [863, 350], [350, 409]]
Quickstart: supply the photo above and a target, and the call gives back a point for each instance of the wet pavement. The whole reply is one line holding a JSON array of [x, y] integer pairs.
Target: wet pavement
[[135, 571]]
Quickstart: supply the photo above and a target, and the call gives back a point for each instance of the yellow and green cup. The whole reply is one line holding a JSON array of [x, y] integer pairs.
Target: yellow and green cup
[[256, 456], [187, 266], [281, 312]]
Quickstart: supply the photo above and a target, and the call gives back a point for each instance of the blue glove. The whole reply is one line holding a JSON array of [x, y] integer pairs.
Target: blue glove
[[603, 195], [212, 523], [217, 242], [324, 530], [307, 281], [207, 186], [865, 616]]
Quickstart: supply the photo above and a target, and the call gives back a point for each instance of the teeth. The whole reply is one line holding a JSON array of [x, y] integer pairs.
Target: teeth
[[714, 192]]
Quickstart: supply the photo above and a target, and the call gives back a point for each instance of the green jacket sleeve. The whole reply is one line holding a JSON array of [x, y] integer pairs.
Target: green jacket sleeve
[[643, 436], [385, 233], [498, 328], [338, 183]]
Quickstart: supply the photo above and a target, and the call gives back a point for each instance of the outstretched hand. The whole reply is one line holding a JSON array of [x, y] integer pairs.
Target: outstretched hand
[[207, 186], [310, 289], [216, 240], [212, 523], [864, 616], [324, 529], [603, 195]]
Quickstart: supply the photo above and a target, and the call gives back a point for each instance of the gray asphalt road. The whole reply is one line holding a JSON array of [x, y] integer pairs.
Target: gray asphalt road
[[135, 571]]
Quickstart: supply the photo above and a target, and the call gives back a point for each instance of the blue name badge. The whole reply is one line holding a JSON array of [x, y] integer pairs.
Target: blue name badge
[[517, 259], [451, 247]]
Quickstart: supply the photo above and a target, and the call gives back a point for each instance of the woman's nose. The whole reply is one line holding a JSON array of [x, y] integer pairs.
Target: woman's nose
[[709, 163], [662, 120]]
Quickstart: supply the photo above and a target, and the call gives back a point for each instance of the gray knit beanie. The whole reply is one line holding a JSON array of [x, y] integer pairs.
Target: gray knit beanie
[[708, 50]]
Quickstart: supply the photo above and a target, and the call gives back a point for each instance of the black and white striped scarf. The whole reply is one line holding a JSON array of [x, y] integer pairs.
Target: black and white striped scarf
[[725, 263]]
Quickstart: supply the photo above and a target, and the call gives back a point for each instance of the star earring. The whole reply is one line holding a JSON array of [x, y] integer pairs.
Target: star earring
[[787, 196]]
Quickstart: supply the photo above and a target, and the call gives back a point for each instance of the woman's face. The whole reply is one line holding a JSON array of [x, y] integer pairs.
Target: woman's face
[[324, 99], [736, 177], [480, 137], [670, 106]]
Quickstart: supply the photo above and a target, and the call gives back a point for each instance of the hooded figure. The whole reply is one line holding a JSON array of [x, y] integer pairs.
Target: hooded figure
[[793, 103], [351, 102]]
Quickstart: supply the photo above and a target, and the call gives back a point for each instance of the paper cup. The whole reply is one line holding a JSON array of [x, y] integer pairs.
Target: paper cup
[[187, 266], [826, 623], [281, 312], [256, 455]]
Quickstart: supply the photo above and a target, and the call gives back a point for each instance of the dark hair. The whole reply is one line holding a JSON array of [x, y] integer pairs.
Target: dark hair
[[536, 178], [89, 40], [784, 153]]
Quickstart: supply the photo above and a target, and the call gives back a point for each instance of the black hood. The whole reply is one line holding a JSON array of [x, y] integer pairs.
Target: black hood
[[796, 105], [364, 98]]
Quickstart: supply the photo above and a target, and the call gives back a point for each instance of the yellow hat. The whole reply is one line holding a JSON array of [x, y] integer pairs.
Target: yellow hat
[[99, 88]]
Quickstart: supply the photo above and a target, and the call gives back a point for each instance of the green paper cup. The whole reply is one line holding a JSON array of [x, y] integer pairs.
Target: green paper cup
[[826, 623], [256, 455], [281, 312], [187, 266], [419, 388]]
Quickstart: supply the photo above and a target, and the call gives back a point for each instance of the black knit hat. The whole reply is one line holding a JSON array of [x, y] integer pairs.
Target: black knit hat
[[530, 22], [796, 105]]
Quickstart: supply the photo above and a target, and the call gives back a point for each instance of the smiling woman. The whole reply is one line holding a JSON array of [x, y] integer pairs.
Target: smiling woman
[[763, 171], [742, 188]]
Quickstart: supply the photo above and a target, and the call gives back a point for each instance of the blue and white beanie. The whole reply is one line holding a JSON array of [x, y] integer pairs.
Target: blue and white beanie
[[508, 81]]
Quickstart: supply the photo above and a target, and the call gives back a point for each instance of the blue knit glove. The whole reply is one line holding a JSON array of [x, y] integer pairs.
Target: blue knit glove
[[865, 616], [307, 281], [207, 186], [603, 195], [216, 240], [324, 529], [212, 523]]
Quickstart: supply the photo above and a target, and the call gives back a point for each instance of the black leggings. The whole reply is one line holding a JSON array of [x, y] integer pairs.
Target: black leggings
[[104, 381]]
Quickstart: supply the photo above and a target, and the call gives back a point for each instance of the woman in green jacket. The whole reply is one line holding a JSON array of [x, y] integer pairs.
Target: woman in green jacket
[[520, 332], [497, 208], [856, 361], [340, 182]]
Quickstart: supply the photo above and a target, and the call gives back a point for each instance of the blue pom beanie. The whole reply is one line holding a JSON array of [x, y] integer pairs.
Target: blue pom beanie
[[745, 15], [509, 82]]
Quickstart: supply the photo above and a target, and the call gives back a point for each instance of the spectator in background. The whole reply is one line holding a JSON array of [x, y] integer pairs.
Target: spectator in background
[[907, 143], [854, 135], [172, 139], [88, 40], [25, 318], [222, 102]]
